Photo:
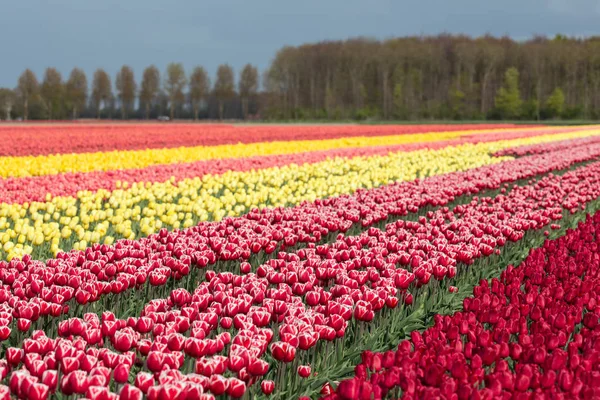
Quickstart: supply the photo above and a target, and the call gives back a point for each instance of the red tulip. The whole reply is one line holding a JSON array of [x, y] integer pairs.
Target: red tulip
[[23, 324], [304, 371], [144, 381], [50, 379], [218, 384], [129, 392], [14, 356], [258, 367], [236, 388], [267, 387], [121, 373]]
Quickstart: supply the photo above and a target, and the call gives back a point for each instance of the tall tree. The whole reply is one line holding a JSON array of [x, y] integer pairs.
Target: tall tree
[[53, 93], [126, 89], [555, 104], [199, 88], [28, 89], [101, 90], [76, 91], [224, 88], [248, 86], [174, 86], [7, 101], [508, 98], [150, 88]]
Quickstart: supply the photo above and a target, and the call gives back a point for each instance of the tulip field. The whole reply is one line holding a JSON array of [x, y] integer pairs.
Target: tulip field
[[192, 261]]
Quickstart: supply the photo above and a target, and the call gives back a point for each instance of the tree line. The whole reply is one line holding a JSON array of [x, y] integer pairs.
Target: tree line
[[408, 78], [177, 95], [437, 77]]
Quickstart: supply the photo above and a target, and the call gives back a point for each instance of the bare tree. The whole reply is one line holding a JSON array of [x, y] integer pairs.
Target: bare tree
[[150, 88], [126, 89], [224, 86], [199, 88], [7, 100], [76, 91], [101, 90], [53, 93], [248, 86], [28, 89], [174, 86]]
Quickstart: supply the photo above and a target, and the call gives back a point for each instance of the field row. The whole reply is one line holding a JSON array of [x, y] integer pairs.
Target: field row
[[87, 138], [43, 229]]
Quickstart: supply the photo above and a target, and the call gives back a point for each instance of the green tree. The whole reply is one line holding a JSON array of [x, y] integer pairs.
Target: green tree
[[174, 86], [398, 101], [199, 88], [150, 88], [7, 101], [101, 91], [126, 89], [529, 110], [76, 91], [457, 103], [53, 93], [224, 86], [28, 90], [248, 86], [508, 99], [555, 104]]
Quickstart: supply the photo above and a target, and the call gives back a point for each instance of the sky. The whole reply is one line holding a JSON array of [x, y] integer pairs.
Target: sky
[[90, 34]]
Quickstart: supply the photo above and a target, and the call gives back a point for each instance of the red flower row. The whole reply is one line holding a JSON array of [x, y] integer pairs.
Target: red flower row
[[311, 295], [87, 276], [533, 333], [528, 150], [84, 138], [26, 189]]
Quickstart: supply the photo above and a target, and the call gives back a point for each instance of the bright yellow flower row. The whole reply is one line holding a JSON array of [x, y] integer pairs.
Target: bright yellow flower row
[[114, 160], [44, 228]]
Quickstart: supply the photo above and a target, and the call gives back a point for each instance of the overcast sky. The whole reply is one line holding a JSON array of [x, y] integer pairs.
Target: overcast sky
[[109, 33]]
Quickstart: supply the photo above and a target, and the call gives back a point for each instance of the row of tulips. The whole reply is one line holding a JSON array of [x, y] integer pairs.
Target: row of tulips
[[128, 159], [526, 150], [87, 138], [93, 217], [532, 333], [65, 223], [103, 269], [43, 188], [224, 333]]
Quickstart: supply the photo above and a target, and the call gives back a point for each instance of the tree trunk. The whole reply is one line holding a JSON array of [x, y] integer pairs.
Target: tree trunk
[[122, 111], [245, 107], [221, 107], [539, 98], [172, 110], [147, 110], [74, 112], [195, 112], [25, 110], [385, 94]]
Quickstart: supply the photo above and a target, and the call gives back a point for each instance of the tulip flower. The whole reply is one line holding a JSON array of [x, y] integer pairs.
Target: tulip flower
[[267, 387], [304, 371]]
